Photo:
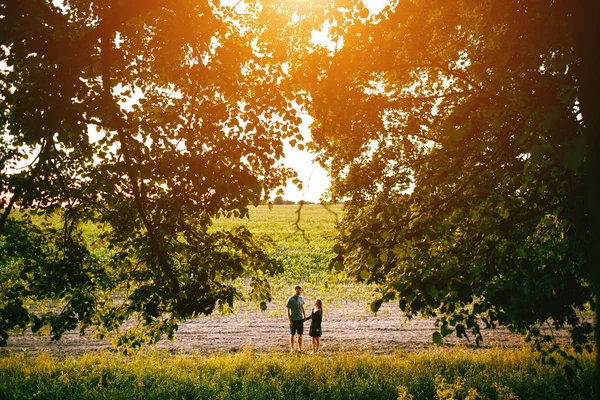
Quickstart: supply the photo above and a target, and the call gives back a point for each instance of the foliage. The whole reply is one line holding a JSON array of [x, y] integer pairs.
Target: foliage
[[148, 119], [456, 132], [438, 374], [304, 255], [280, 201], [303, 244]]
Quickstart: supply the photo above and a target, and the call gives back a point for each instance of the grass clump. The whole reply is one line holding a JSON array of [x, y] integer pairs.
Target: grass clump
[[435, 374]]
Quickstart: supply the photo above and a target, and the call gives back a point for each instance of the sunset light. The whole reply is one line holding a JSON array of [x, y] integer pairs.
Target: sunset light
[[299, 199]]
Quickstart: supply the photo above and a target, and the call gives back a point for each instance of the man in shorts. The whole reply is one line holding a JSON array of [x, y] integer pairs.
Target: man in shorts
[[296, 317]]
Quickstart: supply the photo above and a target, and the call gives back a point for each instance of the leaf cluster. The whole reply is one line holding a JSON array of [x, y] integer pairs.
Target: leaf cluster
[[149, 119], [454, 133]]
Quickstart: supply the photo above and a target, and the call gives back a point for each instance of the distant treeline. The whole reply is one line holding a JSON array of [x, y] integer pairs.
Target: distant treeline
[[279, 201]]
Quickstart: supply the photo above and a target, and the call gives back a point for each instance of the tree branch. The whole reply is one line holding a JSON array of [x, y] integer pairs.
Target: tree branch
[[7, 211], [110, 23], [432, 97], [478, 170], [440, 64], [121, 124], [424, 137], [41, 158]]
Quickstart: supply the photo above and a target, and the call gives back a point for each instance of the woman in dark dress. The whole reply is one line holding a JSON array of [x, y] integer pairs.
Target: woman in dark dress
[[315, 325]]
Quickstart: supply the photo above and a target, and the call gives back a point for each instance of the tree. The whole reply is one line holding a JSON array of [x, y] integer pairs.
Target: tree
[[278, 201], [190, 103], [464, 136]]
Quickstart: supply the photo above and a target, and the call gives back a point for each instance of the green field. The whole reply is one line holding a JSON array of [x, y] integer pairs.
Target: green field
[[304, 246], [304, 250], [451, 373]]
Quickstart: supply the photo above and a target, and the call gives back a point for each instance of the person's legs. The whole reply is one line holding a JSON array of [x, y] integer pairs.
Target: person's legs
[[314, 344], [292, 334], [317, 344], [298, 328], [291, 342]]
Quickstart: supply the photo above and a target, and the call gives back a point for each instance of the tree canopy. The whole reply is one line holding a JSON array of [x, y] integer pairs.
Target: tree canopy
[[463, 136], [147, 119]]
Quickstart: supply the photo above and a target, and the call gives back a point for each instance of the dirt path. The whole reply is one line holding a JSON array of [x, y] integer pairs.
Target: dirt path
[[345, 328]]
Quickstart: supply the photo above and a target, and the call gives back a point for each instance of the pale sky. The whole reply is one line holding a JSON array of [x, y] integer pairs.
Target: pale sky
[[314, 178]]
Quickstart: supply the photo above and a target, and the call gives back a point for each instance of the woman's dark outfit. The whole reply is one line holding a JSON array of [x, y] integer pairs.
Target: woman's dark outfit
[[315, 324]]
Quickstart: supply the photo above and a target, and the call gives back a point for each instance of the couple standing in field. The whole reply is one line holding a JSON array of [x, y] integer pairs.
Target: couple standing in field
[[297, 316]]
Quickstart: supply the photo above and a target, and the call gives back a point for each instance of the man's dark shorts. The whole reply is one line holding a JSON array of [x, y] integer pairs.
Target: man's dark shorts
[[297, 327]]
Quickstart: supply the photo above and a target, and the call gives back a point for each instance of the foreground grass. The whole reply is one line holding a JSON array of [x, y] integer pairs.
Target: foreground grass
[[435, 374]]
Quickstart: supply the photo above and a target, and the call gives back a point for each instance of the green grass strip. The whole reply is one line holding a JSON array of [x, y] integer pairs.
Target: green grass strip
[[434, 374]]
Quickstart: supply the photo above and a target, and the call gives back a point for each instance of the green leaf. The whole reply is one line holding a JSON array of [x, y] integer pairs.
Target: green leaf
[[573, 159], [384, 256], [375, 305], [338, 266], [457, 134], [373, 261]]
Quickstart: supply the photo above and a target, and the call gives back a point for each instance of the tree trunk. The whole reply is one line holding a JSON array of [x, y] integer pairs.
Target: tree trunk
[[588, 47]]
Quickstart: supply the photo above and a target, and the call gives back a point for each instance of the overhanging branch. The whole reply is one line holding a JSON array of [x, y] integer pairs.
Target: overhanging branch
[[121, 126]]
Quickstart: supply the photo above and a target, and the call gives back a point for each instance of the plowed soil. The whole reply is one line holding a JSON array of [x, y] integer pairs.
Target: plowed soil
[[346, 327]]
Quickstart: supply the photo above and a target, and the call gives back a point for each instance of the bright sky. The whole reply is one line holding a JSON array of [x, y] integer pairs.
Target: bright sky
[[314, 179]]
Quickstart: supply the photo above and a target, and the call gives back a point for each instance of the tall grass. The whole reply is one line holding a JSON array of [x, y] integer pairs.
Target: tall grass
[[435, 374]]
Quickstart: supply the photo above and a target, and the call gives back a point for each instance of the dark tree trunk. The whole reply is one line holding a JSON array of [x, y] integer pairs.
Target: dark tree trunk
[[588, 47]]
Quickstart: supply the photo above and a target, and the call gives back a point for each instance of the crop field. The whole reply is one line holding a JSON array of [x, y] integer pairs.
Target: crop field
[[244, 353], [348, 323]]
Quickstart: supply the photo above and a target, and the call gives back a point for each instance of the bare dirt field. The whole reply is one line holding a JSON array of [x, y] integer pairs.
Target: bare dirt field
[[347, 327]]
